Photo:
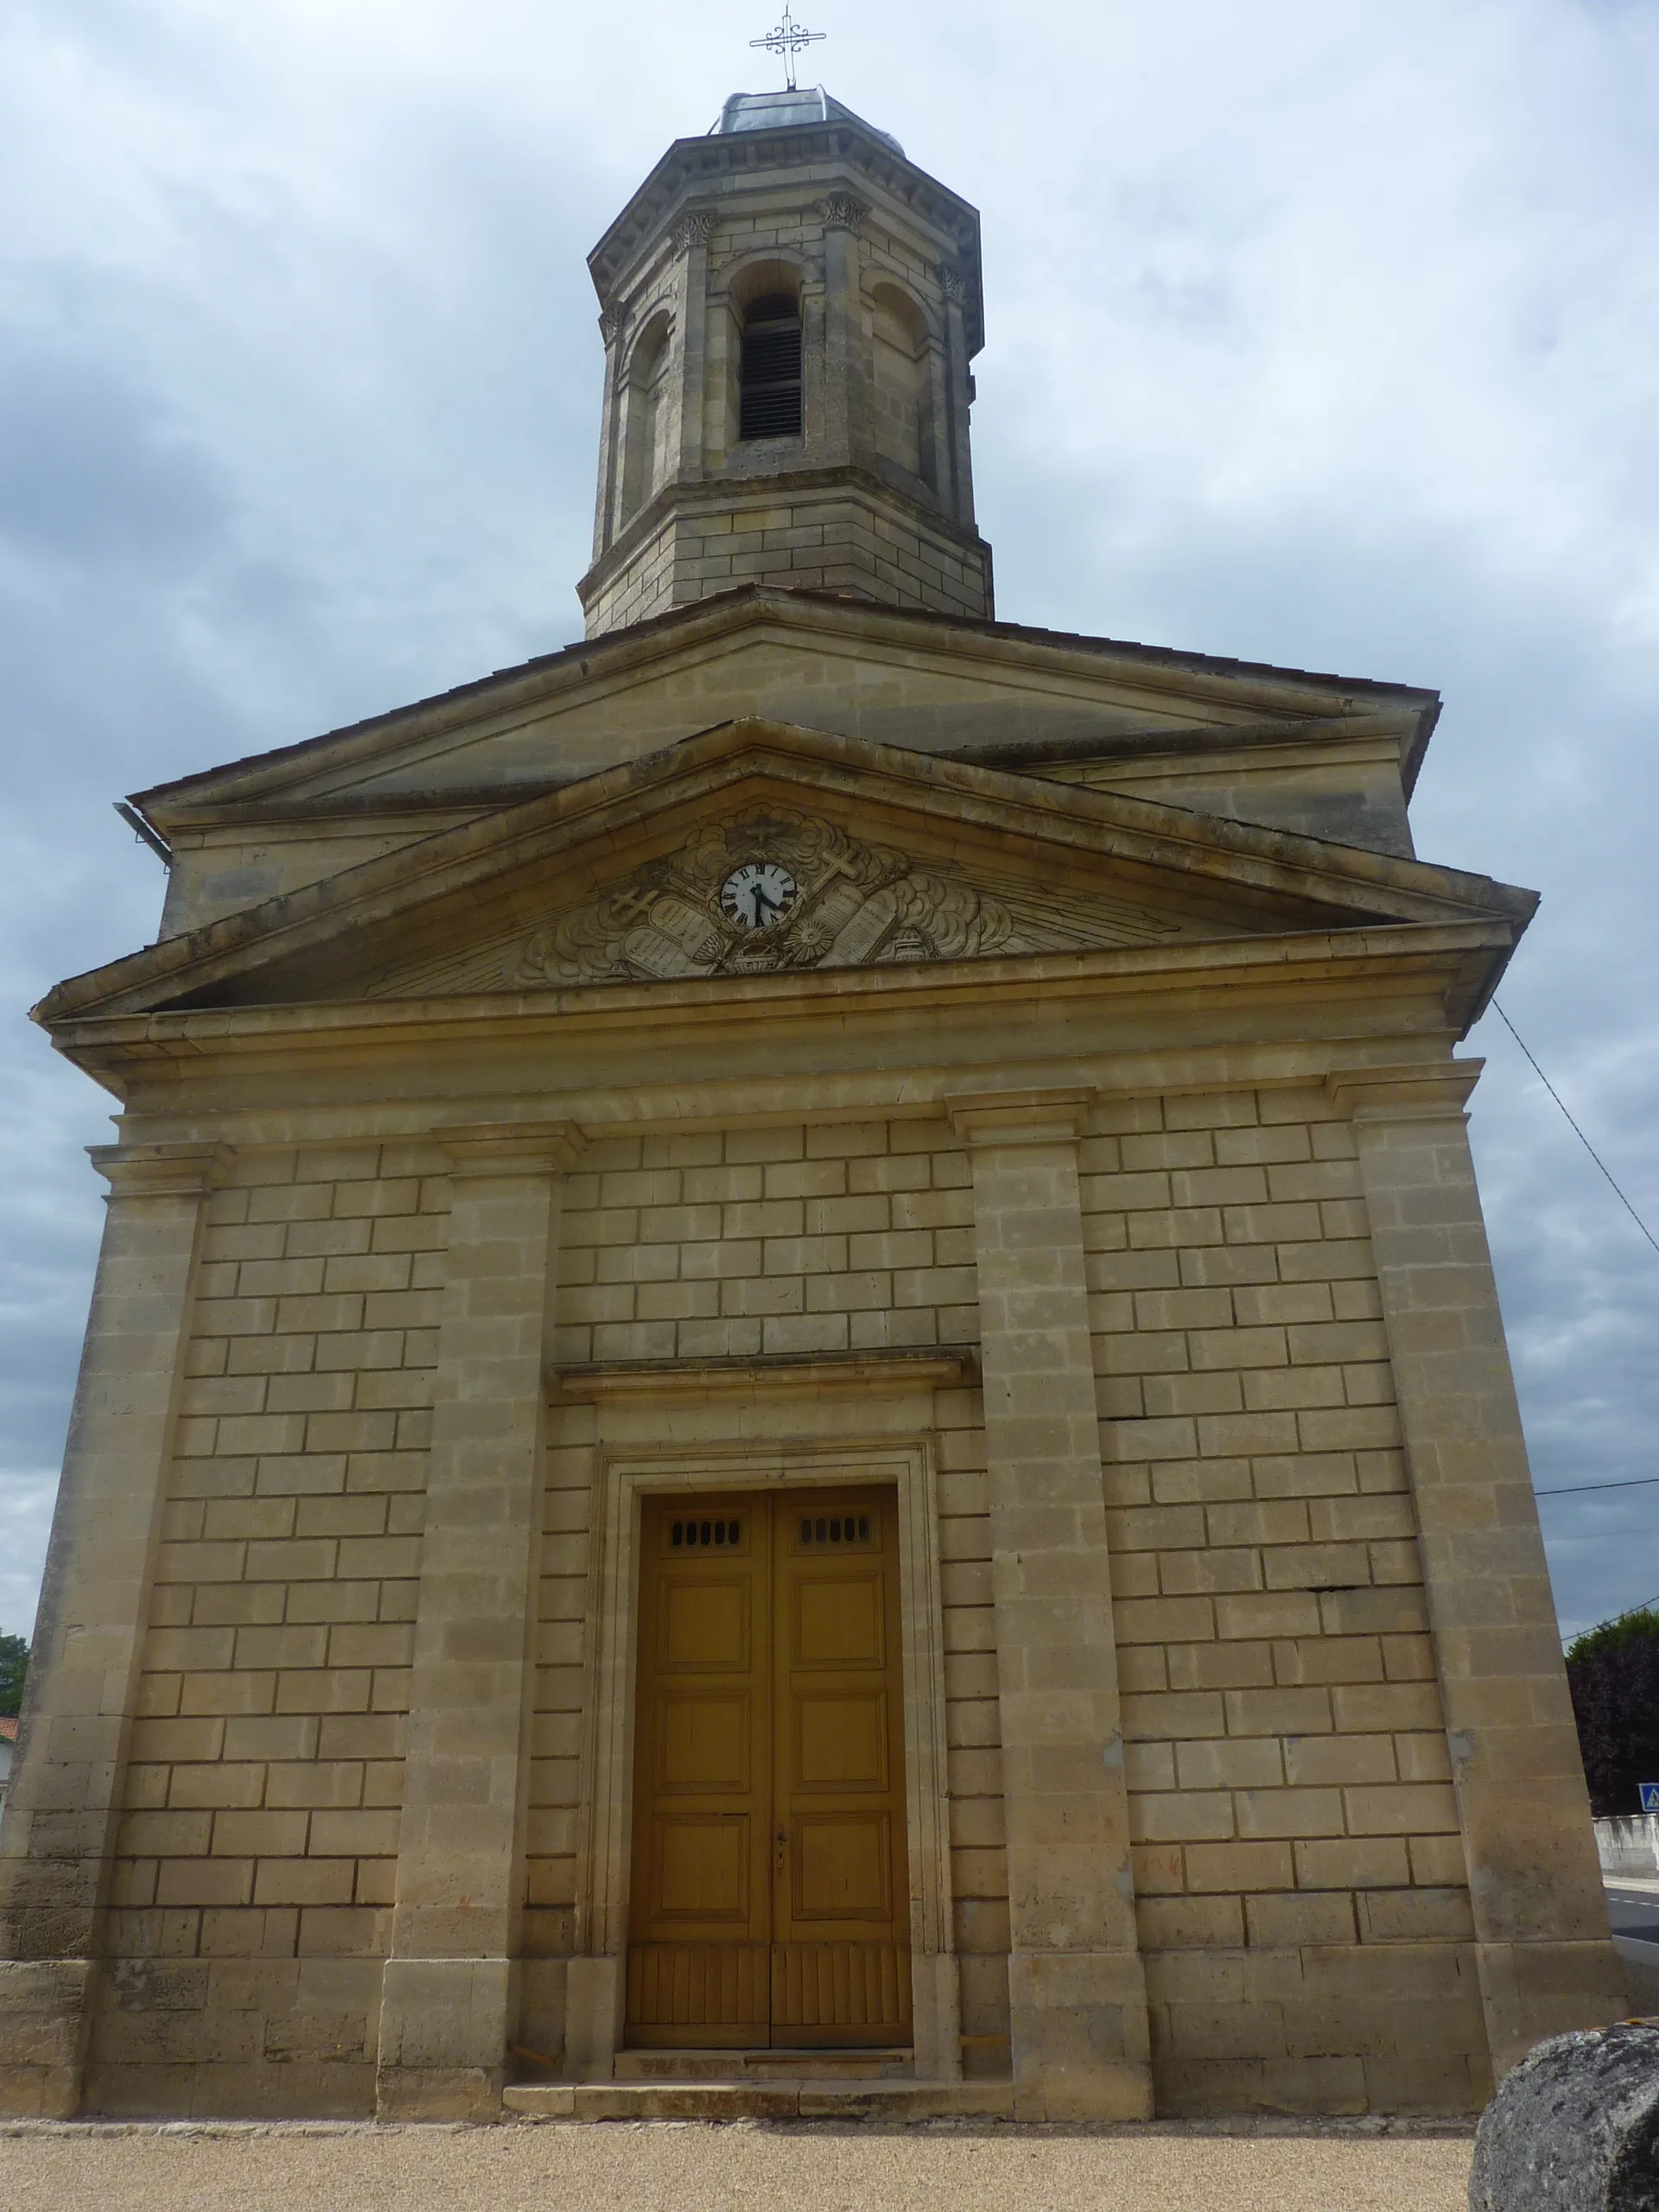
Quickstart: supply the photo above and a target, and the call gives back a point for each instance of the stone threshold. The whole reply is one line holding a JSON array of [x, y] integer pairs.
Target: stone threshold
[[751, 2100], [829, 2063]]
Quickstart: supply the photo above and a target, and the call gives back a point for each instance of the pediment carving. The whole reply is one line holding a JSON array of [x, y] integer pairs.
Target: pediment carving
[[850, 904]]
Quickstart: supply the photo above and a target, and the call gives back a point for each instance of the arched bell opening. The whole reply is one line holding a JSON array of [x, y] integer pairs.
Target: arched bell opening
[[770, 387], [646, 416], [901, 383]]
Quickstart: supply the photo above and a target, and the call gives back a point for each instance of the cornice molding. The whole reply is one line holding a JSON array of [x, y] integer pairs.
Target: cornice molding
[[769, 1375], [485, 1149], [162, 1171], [750, 159], [985, 1118], [1447, 961], [1426, 1090]]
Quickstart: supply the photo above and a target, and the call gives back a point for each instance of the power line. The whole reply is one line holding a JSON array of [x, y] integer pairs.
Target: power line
[[1577, 1489], [1629, 1614], [1645, 1608], [1576, 1130]]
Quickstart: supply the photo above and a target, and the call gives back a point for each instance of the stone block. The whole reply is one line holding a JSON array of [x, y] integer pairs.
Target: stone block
[[442, 2040], [1080, 2047], [44, 2022], [1201, 1923], [1307, 1917]]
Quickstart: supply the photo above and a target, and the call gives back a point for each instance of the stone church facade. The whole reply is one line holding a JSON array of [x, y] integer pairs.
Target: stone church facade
[[794, 1400]]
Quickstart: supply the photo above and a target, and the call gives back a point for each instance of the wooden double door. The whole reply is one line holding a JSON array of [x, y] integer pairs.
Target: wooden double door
[[769, 1890]]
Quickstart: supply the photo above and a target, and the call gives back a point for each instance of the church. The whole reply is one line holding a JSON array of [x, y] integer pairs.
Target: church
[[794, 1402]]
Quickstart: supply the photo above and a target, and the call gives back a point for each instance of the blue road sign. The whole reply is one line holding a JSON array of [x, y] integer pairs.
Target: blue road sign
[[1650, 1795]]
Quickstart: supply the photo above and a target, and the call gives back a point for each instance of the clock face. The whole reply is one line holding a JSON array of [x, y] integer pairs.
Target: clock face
[[757, 895]]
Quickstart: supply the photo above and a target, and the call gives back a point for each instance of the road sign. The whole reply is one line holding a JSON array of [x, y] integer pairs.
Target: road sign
[[1650, 1795]]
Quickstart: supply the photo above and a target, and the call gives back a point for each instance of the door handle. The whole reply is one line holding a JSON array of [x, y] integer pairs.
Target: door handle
[[783, 1851]]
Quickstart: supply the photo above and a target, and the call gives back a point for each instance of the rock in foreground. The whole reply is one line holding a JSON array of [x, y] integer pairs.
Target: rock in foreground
[[1574, 2128]]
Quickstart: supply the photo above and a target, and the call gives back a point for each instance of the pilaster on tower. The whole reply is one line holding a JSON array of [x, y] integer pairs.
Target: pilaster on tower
[[789, 308]]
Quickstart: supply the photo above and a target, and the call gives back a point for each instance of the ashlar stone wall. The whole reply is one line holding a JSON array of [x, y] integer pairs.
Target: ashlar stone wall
[[1302, 1896], [258, 1847], [843, 1238], [1300, 1878]]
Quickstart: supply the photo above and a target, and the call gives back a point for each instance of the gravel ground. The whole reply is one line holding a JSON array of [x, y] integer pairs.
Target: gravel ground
[[668, 2166]]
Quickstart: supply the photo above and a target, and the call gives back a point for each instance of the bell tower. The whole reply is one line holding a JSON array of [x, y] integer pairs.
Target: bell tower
[[789, 308]]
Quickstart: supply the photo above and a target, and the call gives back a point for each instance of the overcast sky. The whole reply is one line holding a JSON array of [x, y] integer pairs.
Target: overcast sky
[[1319, 335]]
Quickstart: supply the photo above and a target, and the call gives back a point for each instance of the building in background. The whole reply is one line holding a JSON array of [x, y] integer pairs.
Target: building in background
[[794, 1379]]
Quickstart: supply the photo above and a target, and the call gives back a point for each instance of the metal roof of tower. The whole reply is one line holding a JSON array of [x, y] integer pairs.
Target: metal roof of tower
[[778, 110]]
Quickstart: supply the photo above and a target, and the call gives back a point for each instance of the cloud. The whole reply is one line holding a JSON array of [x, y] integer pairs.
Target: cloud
[[26, 1499], [1323, 337]]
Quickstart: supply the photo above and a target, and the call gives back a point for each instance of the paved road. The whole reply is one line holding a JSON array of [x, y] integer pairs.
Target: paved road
[[1634, 1913]]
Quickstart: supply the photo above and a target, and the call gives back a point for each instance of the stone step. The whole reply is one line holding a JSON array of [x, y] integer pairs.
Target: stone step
[[767, 2064], [749, 2099]]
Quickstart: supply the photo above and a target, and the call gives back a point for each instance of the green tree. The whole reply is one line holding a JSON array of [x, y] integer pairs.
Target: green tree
[[14, 1666], [1612, 1672]]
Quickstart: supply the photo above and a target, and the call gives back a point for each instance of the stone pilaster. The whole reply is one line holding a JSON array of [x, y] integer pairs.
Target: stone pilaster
[[57, 1842], [956, 446], [1077, 1983], [449, 1997], [846, 429], [1540, 1920], [612, 329], [693, 237]]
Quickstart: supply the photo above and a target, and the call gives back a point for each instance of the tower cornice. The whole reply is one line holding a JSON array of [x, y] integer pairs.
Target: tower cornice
[[719, 495], [691, 166]]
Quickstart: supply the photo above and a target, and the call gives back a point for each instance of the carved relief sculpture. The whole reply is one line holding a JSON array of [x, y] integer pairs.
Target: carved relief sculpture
[[696, 227], [842, 210], [848, 905]]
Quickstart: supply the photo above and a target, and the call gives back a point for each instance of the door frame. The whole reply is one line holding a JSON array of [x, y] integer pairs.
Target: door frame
[[623, 1475]]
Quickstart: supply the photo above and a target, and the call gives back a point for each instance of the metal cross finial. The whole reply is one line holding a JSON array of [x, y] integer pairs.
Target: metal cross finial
[[788, 39]]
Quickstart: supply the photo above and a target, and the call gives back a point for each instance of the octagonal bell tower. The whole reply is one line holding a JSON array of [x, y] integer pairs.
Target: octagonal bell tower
[[790, 307]]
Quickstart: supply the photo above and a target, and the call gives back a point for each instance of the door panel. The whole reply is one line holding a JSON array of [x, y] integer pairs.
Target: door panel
[[837, 1620], [702, 1868], [770, 1897], [704, 1742], [705, 1625], [841, 1964], [842, 1741], [842, 1867], [699, 1957]]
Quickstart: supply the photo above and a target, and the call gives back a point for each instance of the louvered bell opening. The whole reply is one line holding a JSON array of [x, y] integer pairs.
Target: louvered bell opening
[[772, 371]]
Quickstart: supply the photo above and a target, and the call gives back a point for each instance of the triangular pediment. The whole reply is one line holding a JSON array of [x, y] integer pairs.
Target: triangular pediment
[[760, 887], [930, 683], [762, 848]]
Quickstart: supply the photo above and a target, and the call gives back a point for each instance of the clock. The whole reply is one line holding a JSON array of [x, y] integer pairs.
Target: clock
[[759, 895]]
